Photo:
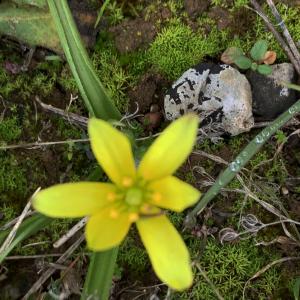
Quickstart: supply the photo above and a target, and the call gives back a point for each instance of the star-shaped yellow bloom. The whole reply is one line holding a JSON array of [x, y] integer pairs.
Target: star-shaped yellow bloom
[[135, 195]]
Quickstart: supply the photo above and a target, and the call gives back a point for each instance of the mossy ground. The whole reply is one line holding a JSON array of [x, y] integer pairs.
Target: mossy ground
[[181, 42]]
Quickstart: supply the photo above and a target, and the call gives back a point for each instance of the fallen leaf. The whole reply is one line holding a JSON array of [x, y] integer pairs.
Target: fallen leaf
[[29, 25], [269, 57], [231, 54]]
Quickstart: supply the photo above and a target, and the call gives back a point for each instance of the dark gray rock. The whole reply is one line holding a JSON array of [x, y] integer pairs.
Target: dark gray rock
[[269, 98], [219, 94]]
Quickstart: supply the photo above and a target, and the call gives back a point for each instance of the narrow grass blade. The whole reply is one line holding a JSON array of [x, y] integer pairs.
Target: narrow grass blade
[[27, 228], [101, 12], [100, 273], [93, 93], [241, 160]]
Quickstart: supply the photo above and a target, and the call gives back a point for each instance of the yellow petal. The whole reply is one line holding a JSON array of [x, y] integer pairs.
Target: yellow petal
[[167, 251], [172, 193], [106, 229], [113, 151], [170, 149], [73, 199]]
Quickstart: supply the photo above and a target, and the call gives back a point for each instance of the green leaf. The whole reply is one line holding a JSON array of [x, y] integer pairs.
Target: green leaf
[[264, 69], [259, 50], [36, 3], [29, 25], [92, 91], [99, 277], [254, 66], [243, 62], [29, 227]]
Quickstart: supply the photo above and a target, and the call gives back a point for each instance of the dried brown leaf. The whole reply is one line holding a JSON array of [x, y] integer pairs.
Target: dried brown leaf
[[269, 57], [230, 54]]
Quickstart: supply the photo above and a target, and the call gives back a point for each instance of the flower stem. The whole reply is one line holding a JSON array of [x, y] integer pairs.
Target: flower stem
[[99, 276]]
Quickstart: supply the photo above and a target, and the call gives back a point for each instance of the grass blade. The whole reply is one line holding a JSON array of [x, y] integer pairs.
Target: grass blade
[[27, 228], [101, 12], [92, 91]]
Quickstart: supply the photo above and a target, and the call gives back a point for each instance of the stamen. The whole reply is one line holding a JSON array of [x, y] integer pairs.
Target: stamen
[[133, 217], [113, 214], [111, 197], [127, 182], [156, 197]]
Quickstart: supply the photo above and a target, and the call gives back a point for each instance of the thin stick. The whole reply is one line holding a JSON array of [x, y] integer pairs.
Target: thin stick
[[280, 40], [71, 117], [285, 31], [38, 144], [13, 232], [51, 270], [16, 257], [70, 233], [14, 221], [214, 288], [266, 268]]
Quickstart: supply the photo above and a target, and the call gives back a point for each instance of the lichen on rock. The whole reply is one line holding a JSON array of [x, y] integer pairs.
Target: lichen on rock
[[219, 94]]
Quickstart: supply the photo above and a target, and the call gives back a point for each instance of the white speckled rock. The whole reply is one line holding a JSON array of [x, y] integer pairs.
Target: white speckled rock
[[219, 94]]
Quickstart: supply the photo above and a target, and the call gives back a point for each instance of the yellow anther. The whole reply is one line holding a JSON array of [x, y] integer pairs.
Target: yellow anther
[[133, 217], [156, 197], [127, 182], [113, 214], [111, 197]]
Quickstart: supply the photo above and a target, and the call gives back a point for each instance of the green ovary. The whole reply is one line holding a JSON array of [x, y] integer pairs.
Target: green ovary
[[134, 197]]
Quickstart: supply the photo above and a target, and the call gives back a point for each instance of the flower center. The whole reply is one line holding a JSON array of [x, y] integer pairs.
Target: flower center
[[134, 197]]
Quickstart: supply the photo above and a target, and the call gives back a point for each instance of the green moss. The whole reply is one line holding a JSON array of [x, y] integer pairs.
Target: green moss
[[277, 171], [10, 130], [229, 267], [8, 212], [25, 84], [114, 13], [13, 182], [236, 143], [67, 81], [240, 3], [190, 178], [176, 219], [112, 75], [133, 257], [258, 159], [136, 64], [177, 47], [66, 130]]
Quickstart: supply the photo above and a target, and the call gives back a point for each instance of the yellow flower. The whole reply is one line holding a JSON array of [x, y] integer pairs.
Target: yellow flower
[[136, 195]]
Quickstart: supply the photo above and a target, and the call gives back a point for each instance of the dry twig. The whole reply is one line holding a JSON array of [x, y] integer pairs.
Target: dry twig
[[51, 270], [266, 268], [13, 232], [278, 37]]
